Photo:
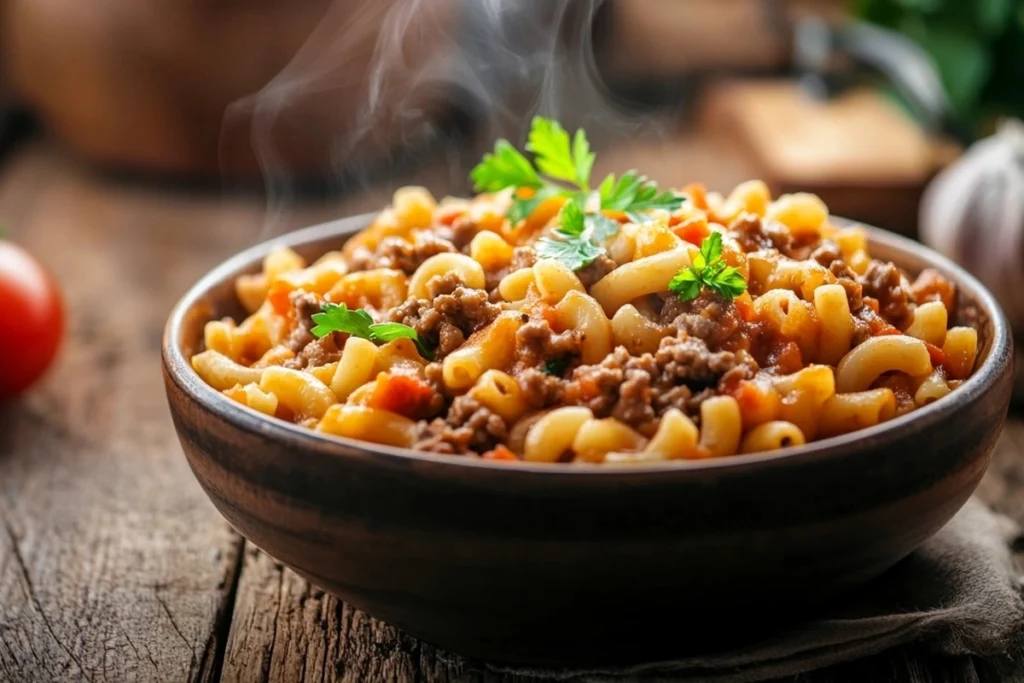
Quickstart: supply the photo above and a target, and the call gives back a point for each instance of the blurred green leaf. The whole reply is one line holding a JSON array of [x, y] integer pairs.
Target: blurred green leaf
[[963, 61], [977, 46], [926, 6], [992, 15], [882, 12]]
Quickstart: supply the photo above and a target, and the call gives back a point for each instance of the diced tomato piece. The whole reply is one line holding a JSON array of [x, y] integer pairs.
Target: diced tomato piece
[[502, 452], [694, 231], [401, 393], [745, 306], [549, 314], [747, 395], [698, 195], [278, 296], [938, 356]]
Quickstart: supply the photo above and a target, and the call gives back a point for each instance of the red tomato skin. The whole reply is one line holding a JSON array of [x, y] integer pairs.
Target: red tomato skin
[[31, 319]]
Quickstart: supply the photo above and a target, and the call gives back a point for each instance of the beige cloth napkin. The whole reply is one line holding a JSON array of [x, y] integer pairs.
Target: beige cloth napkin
[[959, 593]]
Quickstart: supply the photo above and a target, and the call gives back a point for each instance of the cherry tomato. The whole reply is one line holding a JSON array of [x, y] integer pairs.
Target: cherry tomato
[[31, 319]]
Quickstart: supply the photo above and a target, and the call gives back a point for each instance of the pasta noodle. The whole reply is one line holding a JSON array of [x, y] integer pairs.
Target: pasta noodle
[[772, 436], [585, 328], [643, 276], [865, 363], [849, 412]]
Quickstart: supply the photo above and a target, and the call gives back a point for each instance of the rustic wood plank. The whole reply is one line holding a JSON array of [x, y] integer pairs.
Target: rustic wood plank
[[113, 564], [284, 629]]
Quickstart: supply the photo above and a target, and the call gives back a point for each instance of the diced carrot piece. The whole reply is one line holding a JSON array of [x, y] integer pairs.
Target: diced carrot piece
[[698, 195], [550, 315], [938, 356], [745, 306], [694, 230], [278, 296], [401, 393], [501, 452], [871, 303]]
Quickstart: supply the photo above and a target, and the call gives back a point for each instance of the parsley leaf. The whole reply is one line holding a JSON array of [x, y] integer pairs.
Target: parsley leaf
[[575, 252], [633, 193], [572, 219], [709, 270], [557, 157], [601, 227], [338, 318], [577, 232], [506, 167], [358, 323], [560, 160], [618, 194]]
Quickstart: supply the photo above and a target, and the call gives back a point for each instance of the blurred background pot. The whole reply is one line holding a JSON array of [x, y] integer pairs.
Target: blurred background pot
[[166, 86]]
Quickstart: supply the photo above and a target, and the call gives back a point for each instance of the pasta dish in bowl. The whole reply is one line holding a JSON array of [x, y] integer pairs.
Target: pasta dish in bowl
[[659, 401]]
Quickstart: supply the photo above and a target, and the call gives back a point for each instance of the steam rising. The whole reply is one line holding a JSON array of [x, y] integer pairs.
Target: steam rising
[[375, 96]]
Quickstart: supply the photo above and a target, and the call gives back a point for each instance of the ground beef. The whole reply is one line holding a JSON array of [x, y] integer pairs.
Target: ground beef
[[597, 269], [754, 234], [305, 306], [538, 343], [540, 389], [884, 282], [709, 317], [400, 253], [522, 257], [468, 427], [635, 397], [443, 284], [931, 286], [827, 253], [406, 256], [362, 258], [639, 389], [317, 353], [597, 386], [848, 279], [452, 314], [310, 352], [464, 229], [864, 319], [687, 359]]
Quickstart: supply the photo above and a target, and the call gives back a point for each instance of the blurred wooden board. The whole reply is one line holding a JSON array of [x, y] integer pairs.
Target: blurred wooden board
[[113, 564], [864, 156]]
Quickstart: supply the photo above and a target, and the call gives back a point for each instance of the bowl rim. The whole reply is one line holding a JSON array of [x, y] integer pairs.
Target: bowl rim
[[179, 370]]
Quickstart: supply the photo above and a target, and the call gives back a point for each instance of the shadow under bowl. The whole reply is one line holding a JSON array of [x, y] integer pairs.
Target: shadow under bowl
[[574, 565]]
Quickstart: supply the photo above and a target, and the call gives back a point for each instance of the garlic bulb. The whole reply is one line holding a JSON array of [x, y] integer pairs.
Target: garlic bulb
[[973, 212]]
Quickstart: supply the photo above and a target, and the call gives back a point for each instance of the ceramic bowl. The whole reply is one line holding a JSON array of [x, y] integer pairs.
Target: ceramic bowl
[[546, 564]]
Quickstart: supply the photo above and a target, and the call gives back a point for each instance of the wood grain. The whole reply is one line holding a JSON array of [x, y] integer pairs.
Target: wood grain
[[113, 564]]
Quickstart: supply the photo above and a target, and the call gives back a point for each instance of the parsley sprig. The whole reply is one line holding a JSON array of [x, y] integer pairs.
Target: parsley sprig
[[563, 167], [708, 270], [358, 323], [579, 237]]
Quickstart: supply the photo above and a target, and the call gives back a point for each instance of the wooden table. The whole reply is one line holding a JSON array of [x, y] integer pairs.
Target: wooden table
[[113, 564]]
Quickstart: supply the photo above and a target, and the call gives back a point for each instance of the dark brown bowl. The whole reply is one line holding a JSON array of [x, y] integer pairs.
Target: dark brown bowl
[[584, 564]]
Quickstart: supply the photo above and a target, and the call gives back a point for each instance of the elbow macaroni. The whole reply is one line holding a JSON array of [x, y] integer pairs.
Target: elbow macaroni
[[613, 368]]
